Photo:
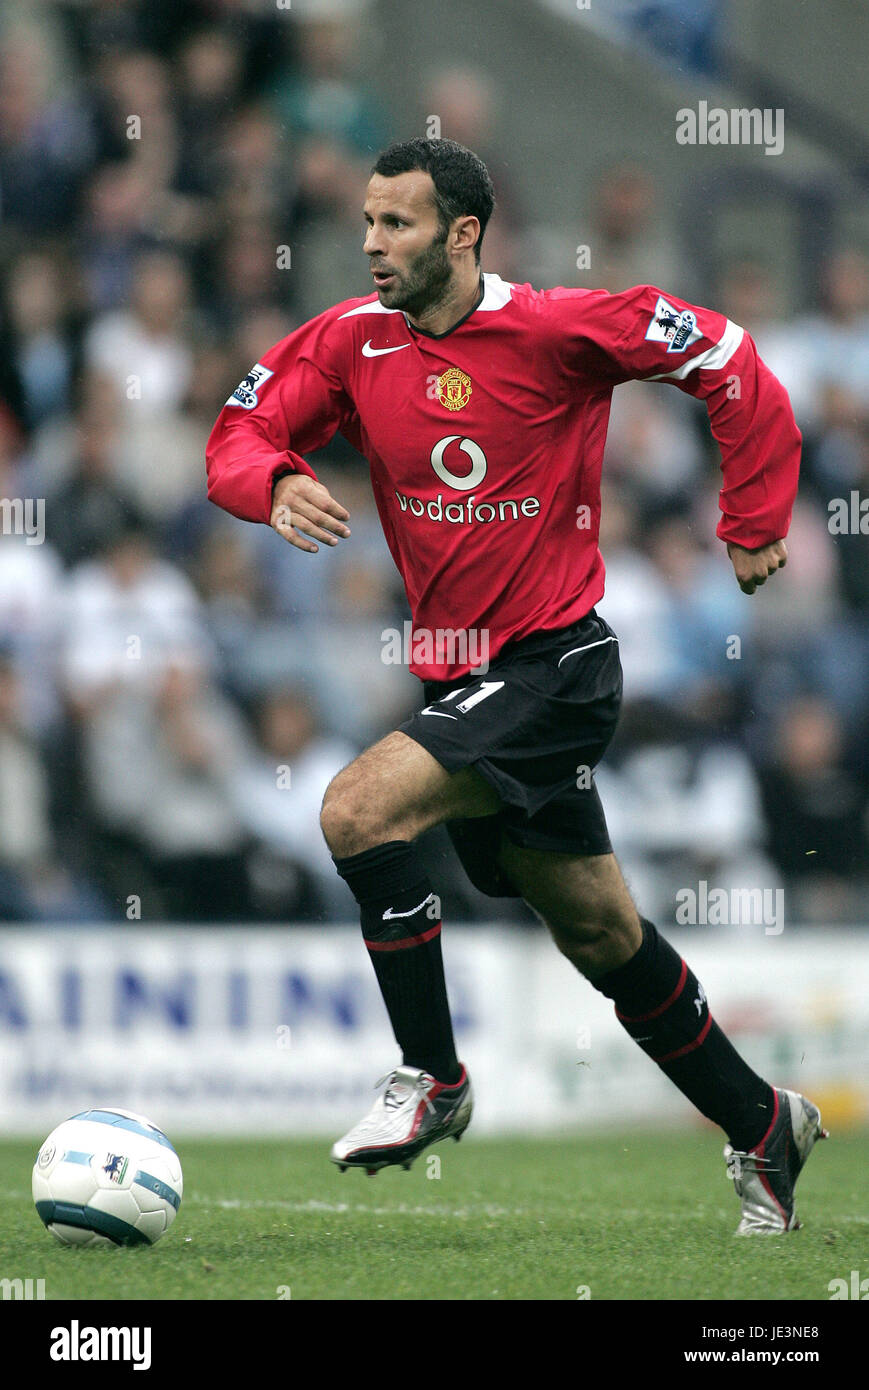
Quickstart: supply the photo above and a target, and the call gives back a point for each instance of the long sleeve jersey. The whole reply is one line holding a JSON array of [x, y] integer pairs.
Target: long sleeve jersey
[[485, 443]]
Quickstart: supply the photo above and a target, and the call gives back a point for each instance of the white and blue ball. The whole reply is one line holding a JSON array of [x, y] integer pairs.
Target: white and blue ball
[[107, 1177]]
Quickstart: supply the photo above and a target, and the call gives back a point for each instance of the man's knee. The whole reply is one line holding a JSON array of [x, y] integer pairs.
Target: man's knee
[[342, 817], [356, 814], [598, 945], [596, 939]]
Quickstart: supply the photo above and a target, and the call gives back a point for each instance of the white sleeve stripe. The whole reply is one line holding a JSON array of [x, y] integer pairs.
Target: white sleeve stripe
[[713, 358]]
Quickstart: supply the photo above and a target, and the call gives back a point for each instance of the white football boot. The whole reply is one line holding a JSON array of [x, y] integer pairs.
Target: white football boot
[[413, 1112], [765, 1177]]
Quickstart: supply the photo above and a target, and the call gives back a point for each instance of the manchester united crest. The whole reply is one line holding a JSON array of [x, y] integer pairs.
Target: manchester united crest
[[454, 389]]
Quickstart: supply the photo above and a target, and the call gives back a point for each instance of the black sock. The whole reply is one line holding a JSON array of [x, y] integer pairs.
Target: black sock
[[663, 1007], [401, 925]]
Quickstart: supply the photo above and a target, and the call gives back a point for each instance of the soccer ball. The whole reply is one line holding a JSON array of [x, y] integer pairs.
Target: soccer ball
[[107, 1177]]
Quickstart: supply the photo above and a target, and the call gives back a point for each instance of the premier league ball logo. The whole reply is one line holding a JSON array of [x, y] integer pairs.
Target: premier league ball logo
[[115, 1167]]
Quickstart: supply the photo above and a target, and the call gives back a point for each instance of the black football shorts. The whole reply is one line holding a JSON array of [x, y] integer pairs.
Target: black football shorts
[[534, 726]]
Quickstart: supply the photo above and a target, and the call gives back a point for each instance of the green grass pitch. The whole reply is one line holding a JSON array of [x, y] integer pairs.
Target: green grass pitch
[[627, 1216]]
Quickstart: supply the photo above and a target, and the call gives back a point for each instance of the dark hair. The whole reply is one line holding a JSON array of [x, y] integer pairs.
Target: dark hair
[[461, 181]]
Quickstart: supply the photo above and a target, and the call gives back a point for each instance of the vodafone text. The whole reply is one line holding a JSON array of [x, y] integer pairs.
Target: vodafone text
[[466, 512]]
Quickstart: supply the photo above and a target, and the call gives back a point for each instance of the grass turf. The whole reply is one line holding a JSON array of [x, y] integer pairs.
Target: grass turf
[[629, 1215]]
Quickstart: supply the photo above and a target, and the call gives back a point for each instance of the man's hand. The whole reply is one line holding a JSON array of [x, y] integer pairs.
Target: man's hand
[[753, 567], [302, 505]]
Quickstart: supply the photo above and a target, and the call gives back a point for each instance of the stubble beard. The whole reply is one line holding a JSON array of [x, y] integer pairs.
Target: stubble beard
[[423, 286]]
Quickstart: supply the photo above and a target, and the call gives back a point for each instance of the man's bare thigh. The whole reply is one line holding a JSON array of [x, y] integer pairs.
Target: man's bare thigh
[[394, 791]]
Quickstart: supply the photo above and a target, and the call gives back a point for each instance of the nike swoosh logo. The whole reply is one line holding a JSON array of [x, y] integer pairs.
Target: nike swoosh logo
[[389, 914], [369, 351], [439, 714]]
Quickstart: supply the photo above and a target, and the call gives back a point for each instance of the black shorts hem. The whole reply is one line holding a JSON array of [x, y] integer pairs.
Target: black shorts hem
[[448, 761], [511, 793], [526, 837]]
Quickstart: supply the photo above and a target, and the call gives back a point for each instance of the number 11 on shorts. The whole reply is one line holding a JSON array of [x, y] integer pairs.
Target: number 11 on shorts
[[486, 689]]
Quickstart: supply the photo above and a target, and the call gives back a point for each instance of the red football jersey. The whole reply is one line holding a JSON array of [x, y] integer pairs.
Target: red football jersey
[[485, 443]]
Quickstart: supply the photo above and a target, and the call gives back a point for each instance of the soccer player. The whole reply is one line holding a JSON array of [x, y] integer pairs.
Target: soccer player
[[481, 407]]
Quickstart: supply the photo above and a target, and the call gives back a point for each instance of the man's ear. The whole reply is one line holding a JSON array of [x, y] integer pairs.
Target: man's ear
[[466, 232]]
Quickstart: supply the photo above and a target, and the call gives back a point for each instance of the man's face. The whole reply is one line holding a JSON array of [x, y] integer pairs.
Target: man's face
[[409, 259]]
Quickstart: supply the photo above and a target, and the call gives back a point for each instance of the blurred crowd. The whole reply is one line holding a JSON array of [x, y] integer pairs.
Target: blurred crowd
[[180, 186]]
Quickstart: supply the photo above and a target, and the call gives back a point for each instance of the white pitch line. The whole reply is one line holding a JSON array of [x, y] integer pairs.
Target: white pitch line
[[342, 1208], [329, 1208]]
